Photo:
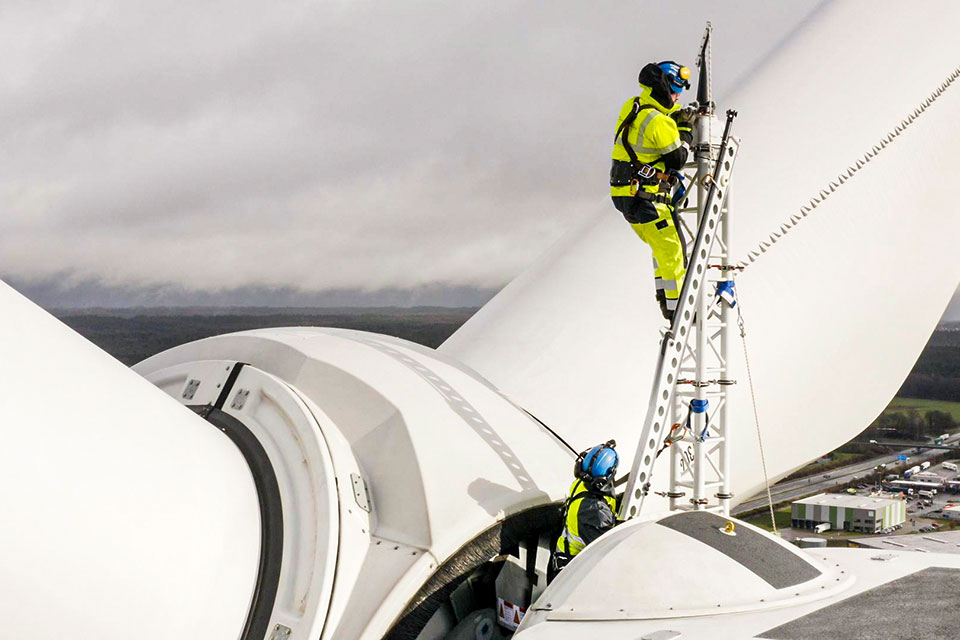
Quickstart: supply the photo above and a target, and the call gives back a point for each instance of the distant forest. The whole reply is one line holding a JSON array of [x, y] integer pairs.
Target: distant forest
[[936, 376], [133, 335]]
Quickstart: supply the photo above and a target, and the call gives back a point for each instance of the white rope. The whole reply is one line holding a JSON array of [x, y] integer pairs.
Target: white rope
[[756, 416]]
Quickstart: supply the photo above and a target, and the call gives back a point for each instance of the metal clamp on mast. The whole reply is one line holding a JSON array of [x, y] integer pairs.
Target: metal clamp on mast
[[657, 423]]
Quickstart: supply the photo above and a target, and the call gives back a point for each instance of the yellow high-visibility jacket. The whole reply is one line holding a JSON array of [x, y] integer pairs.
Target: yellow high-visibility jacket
[[652, 134], [589, 515]]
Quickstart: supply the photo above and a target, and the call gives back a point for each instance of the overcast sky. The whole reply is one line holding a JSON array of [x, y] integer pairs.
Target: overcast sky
[[219, 146]]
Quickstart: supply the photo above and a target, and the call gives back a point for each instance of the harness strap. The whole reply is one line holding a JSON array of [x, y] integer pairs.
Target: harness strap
[[624, 129], [661, 196], [566, 512]]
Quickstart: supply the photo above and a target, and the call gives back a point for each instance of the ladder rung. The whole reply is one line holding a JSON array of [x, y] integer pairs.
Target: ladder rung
[[706, 485]]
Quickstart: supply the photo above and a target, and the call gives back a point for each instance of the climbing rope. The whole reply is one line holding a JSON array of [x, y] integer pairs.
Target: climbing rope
[[806, 209], [756, 418]]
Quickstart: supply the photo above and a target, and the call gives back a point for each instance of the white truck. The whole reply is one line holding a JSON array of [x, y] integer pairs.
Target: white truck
[[925, 465], [949, 466]]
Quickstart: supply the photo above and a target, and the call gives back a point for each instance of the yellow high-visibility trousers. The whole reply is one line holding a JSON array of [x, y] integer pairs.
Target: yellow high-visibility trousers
[[668, 255]]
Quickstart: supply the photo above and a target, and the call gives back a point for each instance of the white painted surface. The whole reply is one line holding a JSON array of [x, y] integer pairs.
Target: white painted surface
[[865, 566], [620, 577], [124, 514], [290, 436], [836, 311], [119, 496], [443, 455]]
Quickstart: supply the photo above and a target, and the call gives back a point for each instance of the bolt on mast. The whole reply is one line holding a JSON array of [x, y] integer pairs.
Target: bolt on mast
[[692, 372]]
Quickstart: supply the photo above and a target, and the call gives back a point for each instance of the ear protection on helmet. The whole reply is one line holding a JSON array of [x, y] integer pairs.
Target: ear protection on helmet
[[676, 74]]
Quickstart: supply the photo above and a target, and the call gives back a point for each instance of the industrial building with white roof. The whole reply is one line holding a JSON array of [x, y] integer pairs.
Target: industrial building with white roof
[[848, 512]]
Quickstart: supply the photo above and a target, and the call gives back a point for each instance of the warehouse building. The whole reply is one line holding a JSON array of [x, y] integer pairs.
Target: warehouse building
[[846, 512]]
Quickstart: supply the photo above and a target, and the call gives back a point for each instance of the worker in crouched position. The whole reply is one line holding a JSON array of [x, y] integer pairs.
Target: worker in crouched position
[[651, 145], [591, 508]]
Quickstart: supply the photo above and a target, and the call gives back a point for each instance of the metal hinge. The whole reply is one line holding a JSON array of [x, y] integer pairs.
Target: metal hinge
[[191, 389]]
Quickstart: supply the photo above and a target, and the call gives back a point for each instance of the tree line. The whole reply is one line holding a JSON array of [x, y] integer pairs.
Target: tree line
[[910, 425]]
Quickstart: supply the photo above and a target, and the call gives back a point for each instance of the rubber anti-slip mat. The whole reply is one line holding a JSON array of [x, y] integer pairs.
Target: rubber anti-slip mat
[[765, 557]]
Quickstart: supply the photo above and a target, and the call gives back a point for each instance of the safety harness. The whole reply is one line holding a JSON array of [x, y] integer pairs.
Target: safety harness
[[635, 172], [566, 510]]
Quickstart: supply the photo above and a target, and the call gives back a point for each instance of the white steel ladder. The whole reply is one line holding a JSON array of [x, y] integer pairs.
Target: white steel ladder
[[661, 409]]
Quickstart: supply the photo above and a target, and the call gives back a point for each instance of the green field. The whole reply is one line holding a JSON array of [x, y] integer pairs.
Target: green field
[[845, 458], [905, 404], [762, 519]]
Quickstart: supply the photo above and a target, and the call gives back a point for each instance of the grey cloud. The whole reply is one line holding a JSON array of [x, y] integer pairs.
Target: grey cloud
[[64, 292], [334, 145]]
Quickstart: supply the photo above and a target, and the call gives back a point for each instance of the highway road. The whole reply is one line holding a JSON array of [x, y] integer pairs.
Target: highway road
[[851, 474]]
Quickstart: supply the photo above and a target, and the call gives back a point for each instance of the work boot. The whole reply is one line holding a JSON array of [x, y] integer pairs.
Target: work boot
[[667, 313]]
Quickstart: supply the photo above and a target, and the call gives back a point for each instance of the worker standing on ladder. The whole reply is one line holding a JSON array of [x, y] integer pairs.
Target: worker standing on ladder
[[651, 145], [591, 508]]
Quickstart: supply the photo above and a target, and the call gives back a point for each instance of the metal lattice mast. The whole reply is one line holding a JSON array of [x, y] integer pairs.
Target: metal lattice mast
[[700, 464], [693, 363]]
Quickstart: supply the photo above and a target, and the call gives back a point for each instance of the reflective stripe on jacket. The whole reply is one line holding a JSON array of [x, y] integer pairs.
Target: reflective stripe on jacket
[[589, 515], [652, 134]]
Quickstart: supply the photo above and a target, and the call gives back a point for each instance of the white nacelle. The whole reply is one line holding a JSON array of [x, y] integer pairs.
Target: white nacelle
[[385, 461], [405, 455]]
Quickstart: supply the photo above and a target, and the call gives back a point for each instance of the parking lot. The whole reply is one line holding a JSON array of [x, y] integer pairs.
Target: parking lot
[[924, 515]]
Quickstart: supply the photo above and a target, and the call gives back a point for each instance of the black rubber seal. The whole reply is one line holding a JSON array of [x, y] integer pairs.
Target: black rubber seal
[[271, 513], [228, 386]]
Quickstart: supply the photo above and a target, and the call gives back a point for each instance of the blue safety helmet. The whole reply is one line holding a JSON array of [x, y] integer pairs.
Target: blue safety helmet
[[600, 462], [677, 75]]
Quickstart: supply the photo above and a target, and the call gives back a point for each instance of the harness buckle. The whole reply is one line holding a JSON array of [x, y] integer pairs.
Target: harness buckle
[[647, 172]]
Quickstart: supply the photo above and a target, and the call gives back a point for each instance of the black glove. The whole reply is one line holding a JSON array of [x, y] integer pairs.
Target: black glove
[[685, 116]]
